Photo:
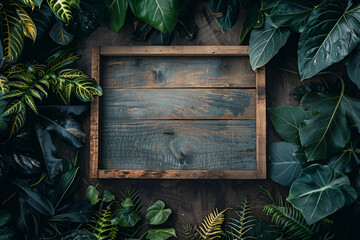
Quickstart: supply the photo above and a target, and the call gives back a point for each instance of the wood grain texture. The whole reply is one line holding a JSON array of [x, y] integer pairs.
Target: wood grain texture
[[177, 72], [178, 174], [95, 116], [175, 145], [119, 104], [175, 50], [261, 123]]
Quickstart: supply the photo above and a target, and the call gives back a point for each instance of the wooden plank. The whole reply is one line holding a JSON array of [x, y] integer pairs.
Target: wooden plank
[[177, 72], [94, 116], [175, 50], [179, 145], [119, 104], [178, 174], [261, 123]]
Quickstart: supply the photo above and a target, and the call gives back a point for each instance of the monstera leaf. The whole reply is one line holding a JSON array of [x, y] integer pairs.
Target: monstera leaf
[[286, 120], [61, 9], [292, 13], [284, 166], [332, 32], [265, 43], [320, 191], [352, 63], [226, 12], [161, 14], [157, 214], [115, 13]]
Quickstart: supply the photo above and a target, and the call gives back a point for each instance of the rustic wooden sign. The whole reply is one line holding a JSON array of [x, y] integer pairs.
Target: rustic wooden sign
[[177, 112]]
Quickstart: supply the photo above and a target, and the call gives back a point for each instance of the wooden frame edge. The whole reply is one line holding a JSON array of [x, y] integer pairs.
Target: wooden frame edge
[[95, 116], [261, 123]]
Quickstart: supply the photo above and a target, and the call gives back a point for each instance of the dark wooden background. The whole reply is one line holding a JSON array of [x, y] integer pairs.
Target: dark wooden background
[[192, 200]]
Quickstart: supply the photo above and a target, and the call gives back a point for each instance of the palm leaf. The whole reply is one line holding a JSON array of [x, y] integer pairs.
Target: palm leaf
[[61, 9], [29, 28], [210, 228]]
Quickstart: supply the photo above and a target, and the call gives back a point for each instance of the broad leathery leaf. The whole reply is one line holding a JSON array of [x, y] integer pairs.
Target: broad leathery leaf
[[332, 32], [141, 30], [352, 63], [254, 19], [161, 234], [61, 9], [76, 212], [345, 161], [4, 87], [29, 27], [299, 92], [161, 14], [159, 38], [226, 12], [6, 233], [320, 191], [77, 235], [327, 131], [108, 196], [52, 162], [29, 3], [4, 169], [17, 121], [292, 13], [34, 199], [60, 35], [92, 194], [352, 108], [64, 184], [86, 88], [265, 43], [286, 121], [44, 20], [126, 216], [30, 102], [60, 60], [156, 214], [115, 13], [12, 34], [284, 166], [26, 220]]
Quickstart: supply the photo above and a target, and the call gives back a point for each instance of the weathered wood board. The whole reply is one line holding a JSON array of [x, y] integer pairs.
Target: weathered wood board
[[177, 112]]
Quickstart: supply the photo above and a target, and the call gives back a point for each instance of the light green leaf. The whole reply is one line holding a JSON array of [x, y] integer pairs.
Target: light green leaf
[[13, 107], [30, 102], [108, 196], [19, 84], [60, 60], [85, 89], [156, 214], [320, 191], [17, 121], [126, 216], [161, 234], [92, 194], [4, 87], [72, 74], [61, 9]]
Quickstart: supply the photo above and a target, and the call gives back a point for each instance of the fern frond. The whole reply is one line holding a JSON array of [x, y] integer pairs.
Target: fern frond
[[101, 227], [189, 231], [238, 227], [210, 228]]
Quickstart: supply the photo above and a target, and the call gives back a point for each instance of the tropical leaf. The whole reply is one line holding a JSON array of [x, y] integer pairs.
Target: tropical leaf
[[71, 74], [161, 233], [4, 87], [17, 121], [159, 38], [60, 35], [115, 13], [254, 19], [12, 34], [331, 34], [141, 30], [29, 27], [44, 20], [352, 63], [265, 43], [61, 9], [126, 216], [320, 191], [29, 3], [157, 214], [352, 108], [30, 102], [92, 194], [226, 12], [60, 60], [161, 14], [210, 228], [284, 166], [14, 93], [13, 107], [76, 212], [86, 88], [287, 120], [19, 84]]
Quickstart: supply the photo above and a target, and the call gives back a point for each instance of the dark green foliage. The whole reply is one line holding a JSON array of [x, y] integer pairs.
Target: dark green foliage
[[226, 12]]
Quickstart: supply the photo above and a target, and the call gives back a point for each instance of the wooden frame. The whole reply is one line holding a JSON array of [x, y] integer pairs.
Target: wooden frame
[[260, 172]]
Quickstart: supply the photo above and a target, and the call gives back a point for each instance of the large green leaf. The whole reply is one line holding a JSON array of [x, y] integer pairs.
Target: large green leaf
[[254, 19], [60, 35], [61, 9], [126, 216], [352, 63], [29, 27], [29, 3], [292, 13], [284, 166], [320, 191], [332, 32], [265, 43], [12, 34], [161, 14], [157, 214], [226, 12], [161, 234], [115, 13], [60, 60], [327, 131], [86, 88], [92, 194], [286, 121]]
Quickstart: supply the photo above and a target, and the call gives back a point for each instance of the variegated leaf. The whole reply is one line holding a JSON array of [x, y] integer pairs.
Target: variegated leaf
[[15, 69], [29, 27], [19, 84], [38, 86], [61, 9], [30, 102], [72, 74], [29, 3], [68, 90], [86, 88], [60, 60], [17, 122], [13, 36], [14, 93], [13, 107], [35, 93], [27, 77], [4, 87]]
